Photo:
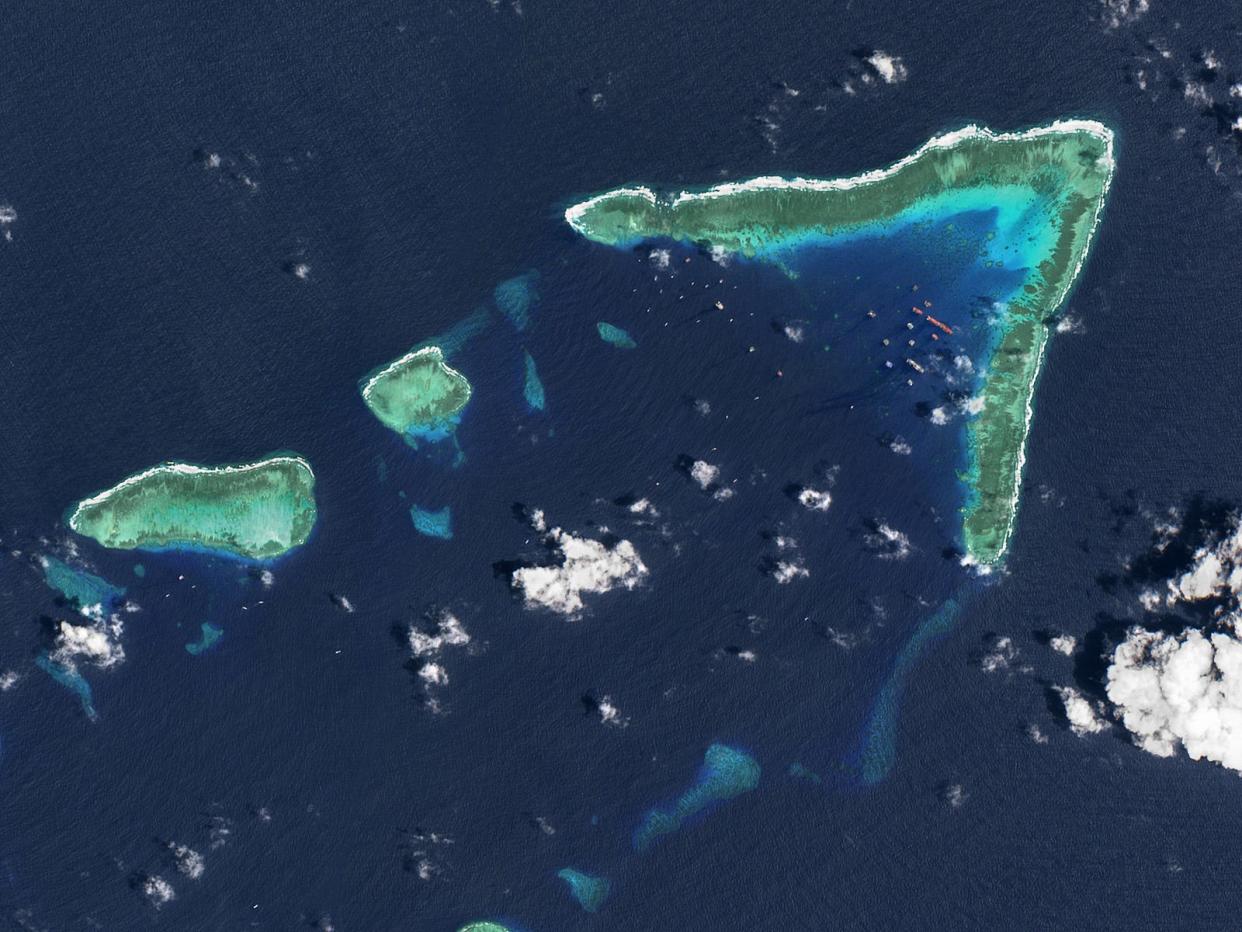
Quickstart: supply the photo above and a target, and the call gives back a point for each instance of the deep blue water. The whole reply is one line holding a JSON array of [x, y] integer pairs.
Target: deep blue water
[[417, 158]]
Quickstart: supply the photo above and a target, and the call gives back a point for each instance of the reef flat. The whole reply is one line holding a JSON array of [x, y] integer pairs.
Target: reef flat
[[532, 387], [615, 336], [419, 395], [433, 523], [253, 511], [208, 638], [726, 773], [1046, 187], [590, 892], [85, 591]]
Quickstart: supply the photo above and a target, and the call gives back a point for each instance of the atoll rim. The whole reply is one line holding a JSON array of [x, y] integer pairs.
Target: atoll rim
[[253, 511]]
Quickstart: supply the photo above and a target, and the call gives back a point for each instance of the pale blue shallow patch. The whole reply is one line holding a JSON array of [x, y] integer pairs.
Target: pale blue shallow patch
[[726, 773], [615, 336], [209, 637], [589, 891], [515, 297], [80, 588], [72, 680], [433, 523], [532, 388], [878, 749]]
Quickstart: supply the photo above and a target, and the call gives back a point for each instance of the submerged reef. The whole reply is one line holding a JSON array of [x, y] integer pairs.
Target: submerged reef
[[516, 296], [532, 388], [67, 675], [433, 523], [590, 892], [1046, 187], [615, 336], [483, 927], [419, 395], [878, 747], [726, 773], [209, 637], [84, 591], [254, 511]]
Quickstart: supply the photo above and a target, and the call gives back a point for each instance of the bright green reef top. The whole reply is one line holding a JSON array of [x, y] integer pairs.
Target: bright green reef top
[[255, 511], [1048, 186], [418, 395]]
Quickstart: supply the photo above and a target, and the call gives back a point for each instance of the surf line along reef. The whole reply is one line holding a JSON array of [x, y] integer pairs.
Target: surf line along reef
[[420, 396], [1047, 187], [252, 511]]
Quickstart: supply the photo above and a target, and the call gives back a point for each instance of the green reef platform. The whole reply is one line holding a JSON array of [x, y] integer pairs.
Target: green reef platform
[[419, 395], [253, 511], [1047, 187]]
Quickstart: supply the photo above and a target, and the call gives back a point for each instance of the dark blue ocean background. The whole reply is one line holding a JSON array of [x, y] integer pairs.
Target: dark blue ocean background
[[415, 156]]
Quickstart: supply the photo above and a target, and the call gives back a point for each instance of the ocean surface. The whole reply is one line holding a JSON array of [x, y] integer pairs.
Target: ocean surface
[[226, 215]]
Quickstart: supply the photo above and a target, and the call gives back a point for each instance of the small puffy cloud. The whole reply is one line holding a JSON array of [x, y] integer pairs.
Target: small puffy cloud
[[157, 890], [704, 473], [1001, 654], [660, 258], [1036, 734], [8, 680], [1180, 690], [189, 862], [900, 446], [814, 499], [786, 571], [889, 68], [887, 542], [1063, 644], [581, 566], [1084, 718], [940, 415]]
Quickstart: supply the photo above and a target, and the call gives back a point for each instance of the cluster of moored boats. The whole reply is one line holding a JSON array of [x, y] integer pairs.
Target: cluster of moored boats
[[922, 312]]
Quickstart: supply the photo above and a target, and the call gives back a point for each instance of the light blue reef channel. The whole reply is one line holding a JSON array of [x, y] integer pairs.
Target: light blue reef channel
[[589, 891], [615, 336], [433, 523], [878, 749], [72, 680], [726, 773], [209, 637], [532, 388], [516, 297]]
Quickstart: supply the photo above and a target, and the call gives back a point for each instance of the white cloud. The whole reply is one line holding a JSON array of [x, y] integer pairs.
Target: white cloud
[[660, 258], [433, 674], [1084, 718], [609, 714], [888, 67], [98, 644], [1036, 734], [1001, 655], [157, 890], [795, 332], [814, 499], [1216, 571], [900, 446], [940, 416], [704, 473], [786, 571], [189, 862], [888, 542], [1064, 644], [448, 633], [583, 566], [1180, 690], [8, 680], [644, 507]]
